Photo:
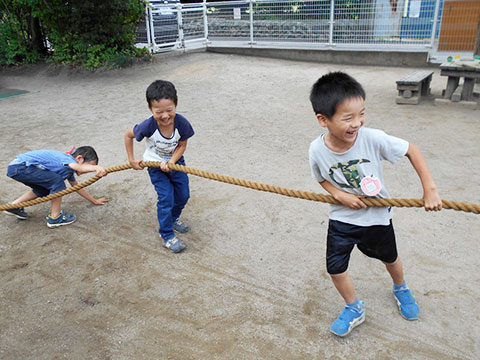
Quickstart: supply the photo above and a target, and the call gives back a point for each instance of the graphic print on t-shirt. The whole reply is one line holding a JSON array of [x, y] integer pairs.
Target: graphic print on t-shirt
[[162, 146], [349, 170]]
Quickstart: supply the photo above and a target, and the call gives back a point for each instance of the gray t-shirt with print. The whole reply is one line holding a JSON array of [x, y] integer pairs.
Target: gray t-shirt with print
[[358, 171]]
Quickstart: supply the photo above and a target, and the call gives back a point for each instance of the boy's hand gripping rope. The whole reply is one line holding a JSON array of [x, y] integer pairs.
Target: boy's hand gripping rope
[[455, 205]]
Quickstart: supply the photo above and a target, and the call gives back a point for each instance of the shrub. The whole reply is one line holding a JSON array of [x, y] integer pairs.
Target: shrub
[[87, 33]]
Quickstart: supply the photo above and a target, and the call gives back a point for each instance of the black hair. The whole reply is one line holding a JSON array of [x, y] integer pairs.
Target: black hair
[[161, 89], [87, 152], [331, 90]]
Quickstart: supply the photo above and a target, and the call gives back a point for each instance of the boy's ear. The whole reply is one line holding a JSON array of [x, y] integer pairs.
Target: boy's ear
[[78, 158], [322, 120]]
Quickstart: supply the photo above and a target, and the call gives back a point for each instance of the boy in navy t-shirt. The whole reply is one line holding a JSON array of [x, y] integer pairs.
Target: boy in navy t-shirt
[[166, 134], [45, 171]]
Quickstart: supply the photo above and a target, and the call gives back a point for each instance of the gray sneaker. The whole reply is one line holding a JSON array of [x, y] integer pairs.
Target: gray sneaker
[[174, 244], [180, 226], [19, 213]]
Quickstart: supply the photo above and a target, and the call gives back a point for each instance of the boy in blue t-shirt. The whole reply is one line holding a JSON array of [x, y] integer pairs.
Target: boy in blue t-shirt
[[45, 171], [166, 134], [346, 161]]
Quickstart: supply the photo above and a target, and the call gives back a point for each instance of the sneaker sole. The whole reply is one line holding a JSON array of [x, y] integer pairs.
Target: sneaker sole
[[399, 304], [51, 226], [356, 322], [17, 216], [174, 251]]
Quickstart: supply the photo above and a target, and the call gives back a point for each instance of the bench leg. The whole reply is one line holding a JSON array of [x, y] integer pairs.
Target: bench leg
[[452, 84], [426, 86], [467, 91]]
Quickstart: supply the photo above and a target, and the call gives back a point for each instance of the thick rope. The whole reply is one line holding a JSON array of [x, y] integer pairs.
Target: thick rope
[[66, 191], [454, 205]]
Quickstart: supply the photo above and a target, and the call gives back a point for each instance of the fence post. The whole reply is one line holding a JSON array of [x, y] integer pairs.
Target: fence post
[[435, 23], [180, 25], [251, 23], [147, 28], [476, 47], [331, 21], [152, 28], [205, 21]]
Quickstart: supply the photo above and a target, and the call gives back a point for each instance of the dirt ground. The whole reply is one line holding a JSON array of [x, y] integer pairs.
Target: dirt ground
[[252, 283]]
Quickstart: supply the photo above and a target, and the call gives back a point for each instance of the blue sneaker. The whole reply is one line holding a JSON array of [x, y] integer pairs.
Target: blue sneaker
[[62, 219], [348, 319], [180, 226], [174, 244], [406, 304], [19, 213]]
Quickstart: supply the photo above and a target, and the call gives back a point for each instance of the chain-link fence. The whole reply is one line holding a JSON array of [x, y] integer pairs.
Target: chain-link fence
[[395, 25]]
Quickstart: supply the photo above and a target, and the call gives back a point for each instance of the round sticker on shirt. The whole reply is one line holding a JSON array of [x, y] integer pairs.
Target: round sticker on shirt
[[370, 185]]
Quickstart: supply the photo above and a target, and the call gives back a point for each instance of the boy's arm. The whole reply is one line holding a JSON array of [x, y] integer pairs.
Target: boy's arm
[[431, 198], [347, 199], [84, 193], [84, 168], [177, 154], [129, 136]]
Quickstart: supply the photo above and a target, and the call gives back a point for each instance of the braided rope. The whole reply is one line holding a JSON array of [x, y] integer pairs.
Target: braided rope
[[454, 205], [64, 192]]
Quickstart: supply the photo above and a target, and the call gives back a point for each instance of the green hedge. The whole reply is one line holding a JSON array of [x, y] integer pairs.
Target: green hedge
[[85, 33]]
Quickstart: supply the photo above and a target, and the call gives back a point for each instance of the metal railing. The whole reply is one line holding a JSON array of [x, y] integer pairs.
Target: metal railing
[[396, 25]]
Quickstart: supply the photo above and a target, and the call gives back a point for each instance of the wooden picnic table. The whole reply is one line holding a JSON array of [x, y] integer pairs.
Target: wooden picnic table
[[469, 70]]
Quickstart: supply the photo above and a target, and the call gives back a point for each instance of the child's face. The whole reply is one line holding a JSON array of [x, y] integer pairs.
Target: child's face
[[343, 126], [80, 160], [163, 112]]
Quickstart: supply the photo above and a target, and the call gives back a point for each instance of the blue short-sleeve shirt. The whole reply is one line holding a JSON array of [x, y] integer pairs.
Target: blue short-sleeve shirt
[[51, 160]]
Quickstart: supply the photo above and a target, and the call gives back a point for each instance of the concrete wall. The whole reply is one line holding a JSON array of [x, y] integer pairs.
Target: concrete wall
[[381, 58]]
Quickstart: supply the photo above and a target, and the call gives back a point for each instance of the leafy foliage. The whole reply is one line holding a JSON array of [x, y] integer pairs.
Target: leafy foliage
[[88, 33]]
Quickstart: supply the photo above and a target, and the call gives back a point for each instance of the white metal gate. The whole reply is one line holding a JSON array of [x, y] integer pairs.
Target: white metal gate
[[389, 25]]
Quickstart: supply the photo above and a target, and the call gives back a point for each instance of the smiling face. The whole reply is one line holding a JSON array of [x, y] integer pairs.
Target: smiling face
[[343, 126], [163, 111]]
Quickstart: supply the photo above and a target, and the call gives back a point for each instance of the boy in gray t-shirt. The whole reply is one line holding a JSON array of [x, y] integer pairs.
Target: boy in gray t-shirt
[[346, 161]]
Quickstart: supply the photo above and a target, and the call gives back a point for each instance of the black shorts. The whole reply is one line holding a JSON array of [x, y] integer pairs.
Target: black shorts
[[376, 241]]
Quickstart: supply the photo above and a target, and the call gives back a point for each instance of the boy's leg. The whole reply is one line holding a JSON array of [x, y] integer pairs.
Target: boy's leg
[[181, 194], [164, 190], [44, 182], [20, 213], [55, 207], [395, 270], [28, 176], [341, 240], [403, 296], [344, 284], [379, 243], [60, 218], [57, 217], [165, 195], [29, 195], [354, 312]]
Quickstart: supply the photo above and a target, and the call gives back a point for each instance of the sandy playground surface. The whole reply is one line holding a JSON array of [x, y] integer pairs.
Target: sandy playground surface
[[252, 283]]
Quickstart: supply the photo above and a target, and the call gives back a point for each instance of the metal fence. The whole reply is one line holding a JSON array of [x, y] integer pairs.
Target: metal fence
[[396, 25]]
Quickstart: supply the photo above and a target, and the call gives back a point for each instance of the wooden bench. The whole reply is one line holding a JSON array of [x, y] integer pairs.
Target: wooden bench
[[413, 86]]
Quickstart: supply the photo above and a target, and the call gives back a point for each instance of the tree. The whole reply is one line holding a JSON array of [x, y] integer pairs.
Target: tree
[[89, 33]]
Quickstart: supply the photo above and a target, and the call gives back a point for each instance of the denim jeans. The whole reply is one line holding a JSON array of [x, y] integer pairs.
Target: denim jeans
[[173, 193], [43, 182]]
